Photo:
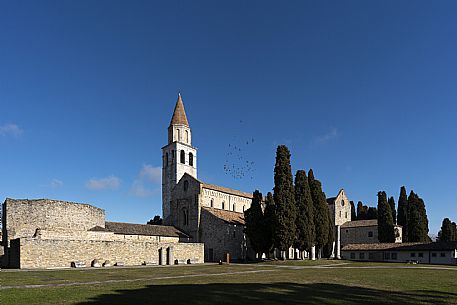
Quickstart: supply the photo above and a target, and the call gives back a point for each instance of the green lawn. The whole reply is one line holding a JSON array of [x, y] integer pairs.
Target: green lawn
[[293, 282]]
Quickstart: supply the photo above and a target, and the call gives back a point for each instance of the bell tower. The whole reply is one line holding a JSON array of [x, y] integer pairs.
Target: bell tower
[[178, 156]]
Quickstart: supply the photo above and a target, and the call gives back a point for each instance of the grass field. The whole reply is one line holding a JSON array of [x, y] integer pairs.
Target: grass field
[[294, 282]]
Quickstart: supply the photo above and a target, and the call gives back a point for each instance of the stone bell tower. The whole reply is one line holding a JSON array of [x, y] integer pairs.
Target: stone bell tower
[[178, 156]]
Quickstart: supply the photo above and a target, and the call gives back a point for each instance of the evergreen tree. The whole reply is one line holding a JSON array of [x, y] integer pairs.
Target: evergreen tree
[[353, 211], [157, 220], [329, 247], [386, 233], [391, 203], [269, 219], [321, 210], [402, 216], [305, 215], [254, 220], [417, 223], [362, 211], [448, 231], [284, 199], [372, 213]]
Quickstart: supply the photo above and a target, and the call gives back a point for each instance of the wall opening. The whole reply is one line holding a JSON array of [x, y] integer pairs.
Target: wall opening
[[183, 157]]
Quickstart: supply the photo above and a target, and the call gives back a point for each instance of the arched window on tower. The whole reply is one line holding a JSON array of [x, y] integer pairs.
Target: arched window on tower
[[212, 203], [166, 159], [178, 135], [187, 136], [185, 217], [183, 157], [234, 207], [223, 205], [191, 159]]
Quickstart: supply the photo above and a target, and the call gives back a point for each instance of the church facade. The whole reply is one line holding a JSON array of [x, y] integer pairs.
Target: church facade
[[209, 214]]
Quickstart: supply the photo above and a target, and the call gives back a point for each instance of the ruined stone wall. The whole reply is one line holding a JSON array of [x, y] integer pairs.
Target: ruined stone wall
[[23, 217], [50, 253]]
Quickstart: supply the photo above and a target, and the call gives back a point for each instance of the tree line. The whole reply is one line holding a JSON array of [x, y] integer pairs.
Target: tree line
[[448, 231], [411, 215], [295, 215]]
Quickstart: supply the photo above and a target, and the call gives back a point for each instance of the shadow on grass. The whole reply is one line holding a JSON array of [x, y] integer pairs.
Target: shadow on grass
[[277, 293]]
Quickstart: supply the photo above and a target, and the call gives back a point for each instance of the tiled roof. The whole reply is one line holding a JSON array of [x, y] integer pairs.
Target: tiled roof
[[227, 216], [226, 190], [179, 114], [138, 229], [438, 246], [331, 200], [360, 223]]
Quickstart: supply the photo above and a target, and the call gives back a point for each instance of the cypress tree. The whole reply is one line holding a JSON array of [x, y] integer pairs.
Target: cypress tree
[[391, 203], [454, 236], [402, 216], [372, 213], [284, 199], [386, 233], [328, 248], [417, 223], [353, 211], [269, 218], [305, 215], [321, 210], [362, 211], [255, 229], [447, 232]]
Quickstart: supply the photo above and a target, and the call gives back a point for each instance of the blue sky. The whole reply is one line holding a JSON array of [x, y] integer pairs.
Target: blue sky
[[363, 92]]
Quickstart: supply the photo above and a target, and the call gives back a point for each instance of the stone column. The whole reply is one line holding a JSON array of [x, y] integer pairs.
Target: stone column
[[171, 260], [338, 242], [313, 253]]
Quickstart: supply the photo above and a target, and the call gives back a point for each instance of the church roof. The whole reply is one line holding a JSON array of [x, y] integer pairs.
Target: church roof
[[226, 190], [140, 229], [360, 223], [179, 114], [230, 217]]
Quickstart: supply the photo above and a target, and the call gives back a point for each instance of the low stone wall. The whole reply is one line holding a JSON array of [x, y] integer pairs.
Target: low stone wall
[[49, 253]]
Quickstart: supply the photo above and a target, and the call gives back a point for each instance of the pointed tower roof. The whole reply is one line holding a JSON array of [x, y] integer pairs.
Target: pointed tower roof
[[179, 114]]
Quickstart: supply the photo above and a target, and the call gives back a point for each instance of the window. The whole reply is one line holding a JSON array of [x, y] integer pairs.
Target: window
[[433, 254], [352, 255], [178, 133], [394, 256], [183, 157], [191, 159], [362, 255], [234, 234], [233, 207], [421, 254], [370, 255], [223, 205], [212, 202], [244, 208], [166, 159], [346, 215], [187, 136], [413, 254], [185, 216], [340, 213], [370, 234], [186, 185], [442, 254], [342, 203], [387, 255], [172, 156]]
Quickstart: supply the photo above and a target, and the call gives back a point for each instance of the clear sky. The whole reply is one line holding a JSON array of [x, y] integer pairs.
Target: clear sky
[[363, 92]]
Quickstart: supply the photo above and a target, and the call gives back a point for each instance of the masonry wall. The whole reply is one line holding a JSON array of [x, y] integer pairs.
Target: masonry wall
[[23, 217], [50, 253], [225, 201], [221, 237], [359, 235]]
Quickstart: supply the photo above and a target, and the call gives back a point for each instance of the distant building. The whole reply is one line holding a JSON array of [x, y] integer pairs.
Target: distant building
[[424, 253], [364, 232]]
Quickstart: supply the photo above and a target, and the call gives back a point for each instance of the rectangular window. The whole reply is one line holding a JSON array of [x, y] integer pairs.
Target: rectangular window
[[442, 254], [352, 255], [394, 256], [346, 215], [421, 254], [413, 254], [362, 255], [433, 254], [370, 255], [370, 234], [386, 255]]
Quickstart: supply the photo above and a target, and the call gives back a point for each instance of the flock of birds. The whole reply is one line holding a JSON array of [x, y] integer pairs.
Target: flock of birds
[[237, 164]]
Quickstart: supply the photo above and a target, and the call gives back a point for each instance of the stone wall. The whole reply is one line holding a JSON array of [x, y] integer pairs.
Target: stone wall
[[225, 201], [23, 217], [51, 253], [221, 237], [364, 235]]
